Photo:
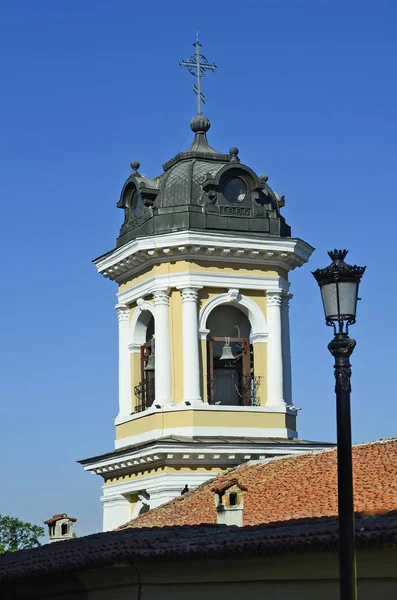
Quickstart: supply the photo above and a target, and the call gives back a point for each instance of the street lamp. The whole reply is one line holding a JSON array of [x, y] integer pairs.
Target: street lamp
[[339, 291]]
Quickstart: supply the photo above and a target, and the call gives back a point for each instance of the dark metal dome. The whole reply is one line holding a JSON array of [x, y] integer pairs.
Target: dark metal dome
[[195, 191]]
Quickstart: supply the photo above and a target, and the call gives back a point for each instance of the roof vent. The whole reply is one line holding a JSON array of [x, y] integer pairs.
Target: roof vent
[[60, 527], [229, 502]]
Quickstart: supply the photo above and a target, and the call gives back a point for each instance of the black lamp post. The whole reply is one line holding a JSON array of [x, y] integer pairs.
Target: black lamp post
[[339, 291]]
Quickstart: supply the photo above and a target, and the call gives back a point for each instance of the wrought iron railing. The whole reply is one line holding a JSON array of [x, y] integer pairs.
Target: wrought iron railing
[[232, 389], [144, 394]]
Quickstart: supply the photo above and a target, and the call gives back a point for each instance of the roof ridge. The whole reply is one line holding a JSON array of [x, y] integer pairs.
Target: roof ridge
[[264, 461]]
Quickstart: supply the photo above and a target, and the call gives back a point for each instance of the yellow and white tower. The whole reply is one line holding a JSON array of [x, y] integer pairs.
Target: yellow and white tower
[[201, 263]]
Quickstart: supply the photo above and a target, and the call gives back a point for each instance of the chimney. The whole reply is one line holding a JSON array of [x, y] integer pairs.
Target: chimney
[[229, 502], [60, 527]]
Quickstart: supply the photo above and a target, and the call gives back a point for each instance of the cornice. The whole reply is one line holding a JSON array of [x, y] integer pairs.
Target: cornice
[[200, 279], [124, 262], [134, 461]]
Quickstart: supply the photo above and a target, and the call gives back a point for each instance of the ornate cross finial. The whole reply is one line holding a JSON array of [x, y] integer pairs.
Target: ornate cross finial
[[198, 66]]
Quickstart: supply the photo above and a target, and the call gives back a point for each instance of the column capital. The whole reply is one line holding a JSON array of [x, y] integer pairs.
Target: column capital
[[122, 312], [274, 298], [189, 294], [286, 297], [161, 297]]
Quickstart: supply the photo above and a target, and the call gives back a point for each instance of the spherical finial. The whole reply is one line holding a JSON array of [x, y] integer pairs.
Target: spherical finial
[[200, 124], [233, 154], [135, 166], [264, 177]]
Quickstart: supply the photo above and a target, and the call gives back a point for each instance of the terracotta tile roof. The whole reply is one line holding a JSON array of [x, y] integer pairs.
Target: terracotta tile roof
[[295, 487], [222, 486], [59, 517], [204, 542]]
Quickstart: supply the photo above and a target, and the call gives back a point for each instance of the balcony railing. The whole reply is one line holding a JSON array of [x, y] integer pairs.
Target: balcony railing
[[229, 388], [144, 394]]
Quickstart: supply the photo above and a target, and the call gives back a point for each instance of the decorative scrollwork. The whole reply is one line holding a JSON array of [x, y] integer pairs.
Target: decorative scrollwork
[[341, 348], [342, 379], [233, 294], [189, 294], [274, 298], [161, 297]]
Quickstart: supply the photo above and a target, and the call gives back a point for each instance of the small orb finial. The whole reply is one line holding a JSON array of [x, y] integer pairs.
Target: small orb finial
[[135, 166], [233, 154], [200, 124], [264, 177]]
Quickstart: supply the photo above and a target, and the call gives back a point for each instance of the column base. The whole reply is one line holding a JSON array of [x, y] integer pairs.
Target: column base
[[193, 401], [163, 402], [281, 403]]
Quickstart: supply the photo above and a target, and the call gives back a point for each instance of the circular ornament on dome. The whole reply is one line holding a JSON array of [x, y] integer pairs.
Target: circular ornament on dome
[[200, 124], [234, 189]]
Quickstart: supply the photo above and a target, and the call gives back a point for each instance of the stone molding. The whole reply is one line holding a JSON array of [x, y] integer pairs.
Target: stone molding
[[122, 312], [189, 294], [161, 297]]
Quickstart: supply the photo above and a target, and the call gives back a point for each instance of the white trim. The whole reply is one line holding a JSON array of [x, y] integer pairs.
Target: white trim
[[202, 279], [137, 329], [151, 483], [249, 308], [208, 407], [275, 350], [230, 432], [116, 510], [124, 261], [159, 489], [213, 454], [190, 347]]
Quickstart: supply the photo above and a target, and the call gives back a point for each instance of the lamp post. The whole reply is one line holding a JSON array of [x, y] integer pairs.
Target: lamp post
[[339, 291]]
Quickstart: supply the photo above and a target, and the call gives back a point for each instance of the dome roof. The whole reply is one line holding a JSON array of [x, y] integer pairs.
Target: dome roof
[[200, 189]]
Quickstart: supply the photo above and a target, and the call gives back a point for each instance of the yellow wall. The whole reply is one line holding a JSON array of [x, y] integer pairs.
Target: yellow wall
[[181, 266], [175, 315], [203, 418], [260, 370], [146, 472]]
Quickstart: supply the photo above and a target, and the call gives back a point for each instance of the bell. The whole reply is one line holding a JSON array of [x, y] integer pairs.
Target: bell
[[150, 363], [227, 353]]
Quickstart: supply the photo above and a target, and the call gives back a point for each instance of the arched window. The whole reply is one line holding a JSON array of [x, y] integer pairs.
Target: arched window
[[230, 373], [144, 391]]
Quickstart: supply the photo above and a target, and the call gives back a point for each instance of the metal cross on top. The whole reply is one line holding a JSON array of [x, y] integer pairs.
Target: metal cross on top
[[198, 66]]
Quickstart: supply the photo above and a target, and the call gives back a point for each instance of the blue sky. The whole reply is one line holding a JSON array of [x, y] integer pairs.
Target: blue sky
[[305, 88]]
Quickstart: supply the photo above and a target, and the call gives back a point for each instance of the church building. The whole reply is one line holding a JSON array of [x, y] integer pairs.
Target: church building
[[201, 264]]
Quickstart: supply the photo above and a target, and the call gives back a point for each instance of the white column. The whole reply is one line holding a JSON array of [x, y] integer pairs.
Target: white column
[[162, 361], [286, 346], [274, 352], [124, 361], [116, 511], [190, 341]]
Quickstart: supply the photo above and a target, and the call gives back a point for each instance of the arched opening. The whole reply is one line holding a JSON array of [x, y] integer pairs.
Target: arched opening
[[144, 336], [230, 366], [64, 528]]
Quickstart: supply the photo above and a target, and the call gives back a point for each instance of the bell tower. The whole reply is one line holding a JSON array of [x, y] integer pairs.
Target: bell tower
[[201, 263]]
